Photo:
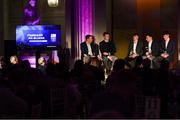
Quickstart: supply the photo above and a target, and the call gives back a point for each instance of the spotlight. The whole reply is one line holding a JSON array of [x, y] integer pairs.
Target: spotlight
[[53, 3]]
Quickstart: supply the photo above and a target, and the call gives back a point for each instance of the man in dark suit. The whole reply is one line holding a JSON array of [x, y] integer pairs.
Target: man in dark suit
[[151, 50], [167, 47], [151, 47], [89, 48], [135, 47]]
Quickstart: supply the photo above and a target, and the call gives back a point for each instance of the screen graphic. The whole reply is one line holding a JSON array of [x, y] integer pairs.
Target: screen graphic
[[38, 37]]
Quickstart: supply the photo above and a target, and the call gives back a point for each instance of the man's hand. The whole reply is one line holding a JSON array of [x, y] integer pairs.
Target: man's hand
[[147, 53], [110, 58], [135, 55], [99, 58], [164, 55], [105, 53]]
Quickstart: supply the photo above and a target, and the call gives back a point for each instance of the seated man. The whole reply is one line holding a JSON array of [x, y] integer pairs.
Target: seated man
[[151, 49], [167, 47], [108, 50], [89, 49], [135, 48]]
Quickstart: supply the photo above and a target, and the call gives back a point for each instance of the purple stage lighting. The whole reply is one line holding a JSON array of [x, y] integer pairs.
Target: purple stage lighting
[[85, 11], [84, 18]]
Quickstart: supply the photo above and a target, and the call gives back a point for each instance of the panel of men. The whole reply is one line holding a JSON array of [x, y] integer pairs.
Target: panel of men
[[104, 52], [151, 49]]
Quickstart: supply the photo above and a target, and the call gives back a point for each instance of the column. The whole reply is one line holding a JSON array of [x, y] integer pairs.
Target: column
[[1, 30], [178, 22], [84, 21]]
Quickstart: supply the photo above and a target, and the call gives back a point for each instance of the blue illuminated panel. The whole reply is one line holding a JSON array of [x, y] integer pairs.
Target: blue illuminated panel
[[38, 37]]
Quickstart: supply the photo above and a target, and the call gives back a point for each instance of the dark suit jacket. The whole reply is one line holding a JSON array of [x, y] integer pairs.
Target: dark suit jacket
[[139, 48], [84, 49], [171, 48], [154, 48]]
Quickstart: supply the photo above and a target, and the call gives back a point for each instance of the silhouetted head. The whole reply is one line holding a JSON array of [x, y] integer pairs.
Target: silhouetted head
[[14, 60], [119, 64], [146, 63], [164, 64], [78, 64], [25, 64], [42, 61], [123, 82], [51, 69]]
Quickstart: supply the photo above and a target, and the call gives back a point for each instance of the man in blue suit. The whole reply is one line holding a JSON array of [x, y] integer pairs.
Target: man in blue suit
[[89, 48], [167, 47]]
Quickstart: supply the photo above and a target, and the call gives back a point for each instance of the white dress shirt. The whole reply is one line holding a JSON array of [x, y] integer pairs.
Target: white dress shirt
[[134, 47], [166, 43], [149, 47], [89, 49]]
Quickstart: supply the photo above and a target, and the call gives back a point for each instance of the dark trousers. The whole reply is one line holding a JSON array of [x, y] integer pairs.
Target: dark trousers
[[107, 64]]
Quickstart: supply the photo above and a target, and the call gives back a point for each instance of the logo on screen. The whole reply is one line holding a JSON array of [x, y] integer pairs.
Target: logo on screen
[[53, 37]]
